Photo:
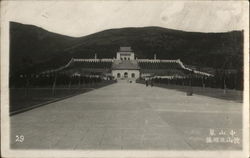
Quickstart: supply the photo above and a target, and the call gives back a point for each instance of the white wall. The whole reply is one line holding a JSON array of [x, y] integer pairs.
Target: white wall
[[129, 55], [118, 56], [136, 72]]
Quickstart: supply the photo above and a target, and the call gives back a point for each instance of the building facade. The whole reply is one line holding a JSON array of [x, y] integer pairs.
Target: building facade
[[126, 74], [125, 53], [126, 67]]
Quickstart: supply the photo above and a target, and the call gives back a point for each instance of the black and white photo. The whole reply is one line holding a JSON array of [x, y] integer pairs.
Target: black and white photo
[[99, 78]]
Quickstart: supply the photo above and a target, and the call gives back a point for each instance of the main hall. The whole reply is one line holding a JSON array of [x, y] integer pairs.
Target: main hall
[[126, 66]]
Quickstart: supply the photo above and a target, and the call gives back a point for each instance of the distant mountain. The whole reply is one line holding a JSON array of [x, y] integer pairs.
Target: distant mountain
[[33, 49]]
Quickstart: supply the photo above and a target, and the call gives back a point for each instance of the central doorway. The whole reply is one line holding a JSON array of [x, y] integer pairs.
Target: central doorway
[[125, 75]]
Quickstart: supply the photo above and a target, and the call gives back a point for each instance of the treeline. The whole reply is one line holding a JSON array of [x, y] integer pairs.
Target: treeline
[[229, 81], [48, 80]]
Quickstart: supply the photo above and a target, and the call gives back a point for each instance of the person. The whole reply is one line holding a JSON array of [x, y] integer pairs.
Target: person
[[146, 81], [151, 83]]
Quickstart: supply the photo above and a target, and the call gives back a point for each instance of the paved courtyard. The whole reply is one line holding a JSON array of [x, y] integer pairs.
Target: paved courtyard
[[127, 116]]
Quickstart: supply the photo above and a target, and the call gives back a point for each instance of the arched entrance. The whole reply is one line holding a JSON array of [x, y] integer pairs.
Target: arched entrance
[[118, 75], [125, 75], [133, 75]]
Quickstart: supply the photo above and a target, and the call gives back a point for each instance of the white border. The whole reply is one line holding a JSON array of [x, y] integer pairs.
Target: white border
[[6, 152]]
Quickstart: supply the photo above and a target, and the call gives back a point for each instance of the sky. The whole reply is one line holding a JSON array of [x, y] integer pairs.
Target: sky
[[80, 18]]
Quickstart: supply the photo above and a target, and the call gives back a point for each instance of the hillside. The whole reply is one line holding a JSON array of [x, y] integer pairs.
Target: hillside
[[33, 49]]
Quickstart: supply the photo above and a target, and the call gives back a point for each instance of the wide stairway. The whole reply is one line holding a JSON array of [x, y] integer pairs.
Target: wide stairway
[[125, 65]]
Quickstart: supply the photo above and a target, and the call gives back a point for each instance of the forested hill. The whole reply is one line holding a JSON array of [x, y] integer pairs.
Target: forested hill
[[33, 49]]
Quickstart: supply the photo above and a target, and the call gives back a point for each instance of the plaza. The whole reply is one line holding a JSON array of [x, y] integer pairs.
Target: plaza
[[130, 116]]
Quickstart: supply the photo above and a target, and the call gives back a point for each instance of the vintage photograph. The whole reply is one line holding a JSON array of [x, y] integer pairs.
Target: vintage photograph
[[125, 75]]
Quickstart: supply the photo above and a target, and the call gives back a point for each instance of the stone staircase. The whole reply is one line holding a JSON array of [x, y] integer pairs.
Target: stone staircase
[[125, 64]]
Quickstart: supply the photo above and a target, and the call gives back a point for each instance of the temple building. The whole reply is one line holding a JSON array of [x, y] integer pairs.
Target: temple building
[[126, 67], [125, 53]]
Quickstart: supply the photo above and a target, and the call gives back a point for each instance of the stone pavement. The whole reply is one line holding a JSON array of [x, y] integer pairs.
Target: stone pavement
[[127, 116]]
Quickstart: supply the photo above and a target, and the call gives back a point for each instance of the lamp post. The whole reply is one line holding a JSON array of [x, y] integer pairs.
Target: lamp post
[[26, 86], [224, 82], [79, 82], [190, 89], [69, 85], [54, 85], [203, 82]]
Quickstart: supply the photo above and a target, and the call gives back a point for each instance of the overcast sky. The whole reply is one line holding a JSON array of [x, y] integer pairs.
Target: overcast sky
[[79, 18]]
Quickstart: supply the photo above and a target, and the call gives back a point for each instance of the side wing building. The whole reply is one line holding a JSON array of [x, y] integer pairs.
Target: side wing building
[[126, 67]]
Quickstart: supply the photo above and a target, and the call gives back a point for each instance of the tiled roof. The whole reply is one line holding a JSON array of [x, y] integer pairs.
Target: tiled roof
[[159, 65], [144, 65]]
